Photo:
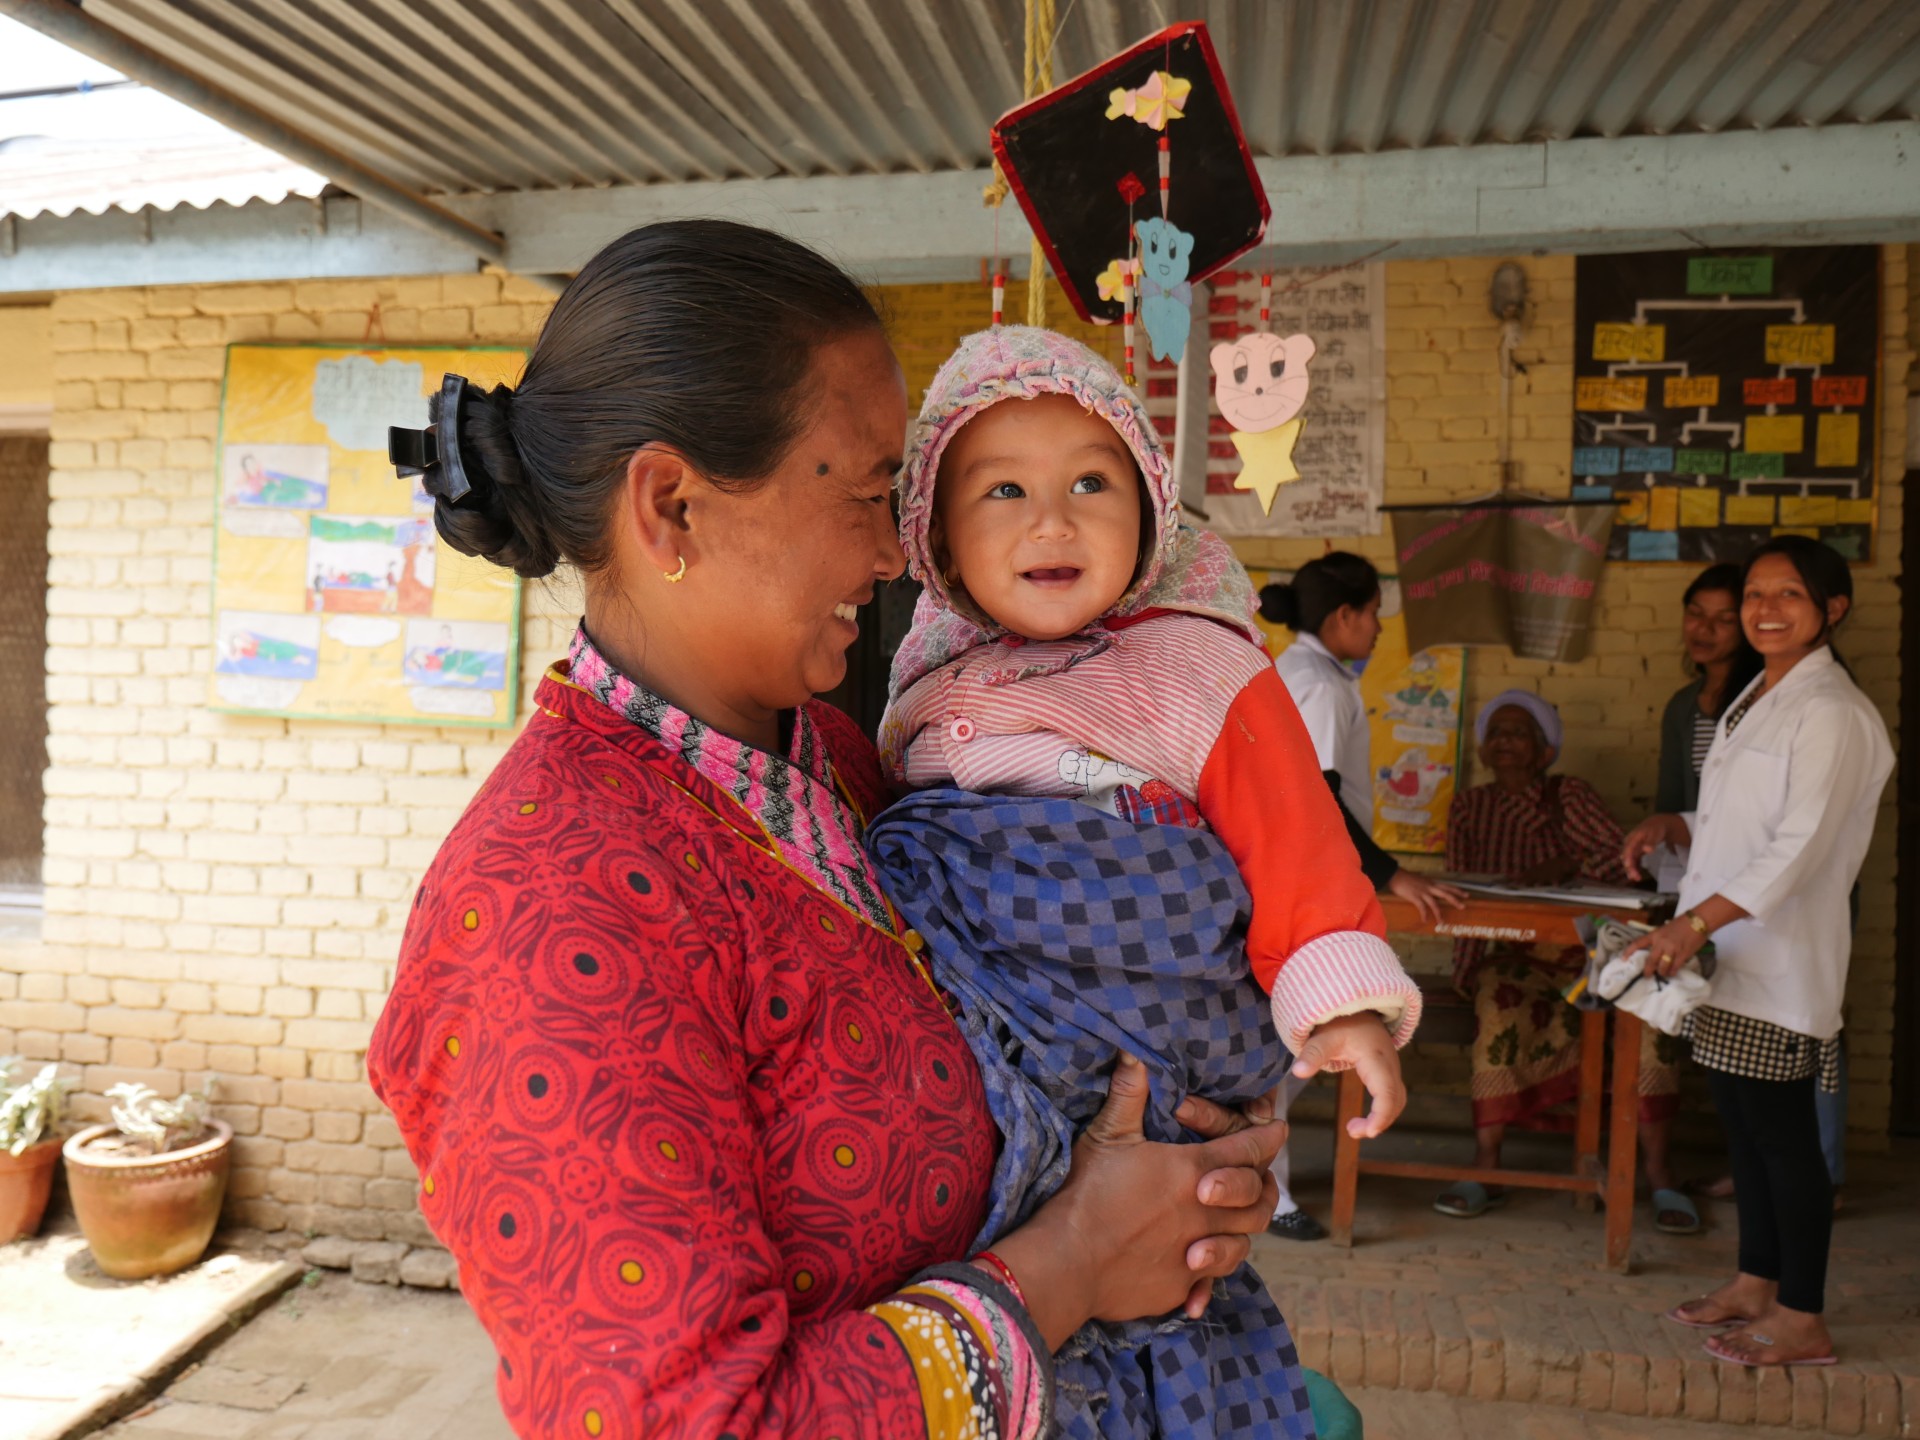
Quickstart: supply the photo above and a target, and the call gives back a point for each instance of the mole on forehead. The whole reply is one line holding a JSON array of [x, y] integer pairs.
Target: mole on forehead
[[822, 468]]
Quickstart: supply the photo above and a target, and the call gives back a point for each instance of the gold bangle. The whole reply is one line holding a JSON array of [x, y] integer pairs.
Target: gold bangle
[[1700, 927]]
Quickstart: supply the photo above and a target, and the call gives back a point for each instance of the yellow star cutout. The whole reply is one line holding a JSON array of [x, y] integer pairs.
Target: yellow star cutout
[[1266, 461]]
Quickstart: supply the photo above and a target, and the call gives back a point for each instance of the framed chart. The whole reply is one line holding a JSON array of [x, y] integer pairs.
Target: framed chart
[[333, 598], [1724, 398]]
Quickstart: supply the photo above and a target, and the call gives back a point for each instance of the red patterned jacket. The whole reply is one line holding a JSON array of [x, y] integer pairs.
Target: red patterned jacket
[[678, 1115]]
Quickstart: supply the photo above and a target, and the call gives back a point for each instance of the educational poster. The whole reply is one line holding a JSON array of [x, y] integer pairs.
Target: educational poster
[[1413, 706], [333, 598], [1722, 399], [1341, 450]]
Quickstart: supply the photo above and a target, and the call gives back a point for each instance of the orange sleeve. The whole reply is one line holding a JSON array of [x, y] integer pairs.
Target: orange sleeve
[[1317, 940]]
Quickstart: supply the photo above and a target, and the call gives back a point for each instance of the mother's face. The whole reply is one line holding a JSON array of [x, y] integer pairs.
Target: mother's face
[[787, 563]]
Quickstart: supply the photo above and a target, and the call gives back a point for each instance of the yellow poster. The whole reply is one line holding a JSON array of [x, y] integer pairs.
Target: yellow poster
[[333, 598], [1413, 708]]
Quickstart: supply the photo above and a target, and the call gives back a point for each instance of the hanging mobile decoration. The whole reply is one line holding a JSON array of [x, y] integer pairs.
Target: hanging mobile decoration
[[1109, 127], [1260, 383]]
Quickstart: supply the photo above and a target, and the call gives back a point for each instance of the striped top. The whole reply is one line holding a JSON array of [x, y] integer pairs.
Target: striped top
[[1701, 740], [1175, 710]]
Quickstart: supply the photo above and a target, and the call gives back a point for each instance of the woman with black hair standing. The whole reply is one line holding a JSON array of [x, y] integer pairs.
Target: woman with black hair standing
[[1332, 605], [1786, 810], [1722, 663]]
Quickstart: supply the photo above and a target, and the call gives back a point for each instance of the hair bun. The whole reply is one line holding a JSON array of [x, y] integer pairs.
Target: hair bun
[[496, 520], [1280, 605]]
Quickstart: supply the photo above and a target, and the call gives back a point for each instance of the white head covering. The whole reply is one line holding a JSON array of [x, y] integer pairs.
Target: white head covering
[[1544, 715]]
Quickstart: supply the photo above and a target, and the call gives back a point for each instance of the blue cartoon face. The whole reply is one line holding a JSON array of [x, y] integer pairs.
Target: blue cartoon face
[[1164, 248]]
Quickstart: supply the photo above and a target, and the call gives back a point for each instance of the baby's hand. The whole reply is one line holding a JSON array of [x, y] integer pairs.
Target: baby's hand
[[1360, 1042]]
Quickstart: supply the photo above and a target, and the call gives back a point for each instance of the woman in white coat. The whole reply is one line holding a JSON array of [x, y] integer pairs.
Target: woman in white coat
[[1333, 607], [1786, 810]]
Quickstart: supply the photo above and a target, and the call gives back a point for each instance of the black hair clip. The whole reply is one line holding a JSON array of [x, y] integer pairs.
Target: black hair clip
[[434, 453]]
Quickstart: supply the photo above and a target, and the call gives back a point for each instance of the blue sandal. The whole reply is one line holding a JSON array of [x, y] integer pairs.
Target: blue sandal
[[1467, 1199], [1672, 1203]]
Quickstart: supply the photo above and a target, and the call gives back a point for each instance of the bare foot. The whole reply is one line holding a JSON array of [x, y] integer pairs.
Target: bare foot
[[1779, 1336], [1720, 1189], [1738, 1302]]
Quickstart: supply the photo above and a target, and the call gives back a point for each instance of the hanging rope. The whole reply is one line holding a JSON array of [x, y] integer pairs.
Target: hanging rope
[[1041, 34]]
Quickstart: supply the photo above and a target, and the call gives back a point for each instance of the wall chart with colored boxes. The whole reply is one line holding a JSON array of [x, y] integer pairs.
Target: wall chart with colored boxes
[[1724, 398]]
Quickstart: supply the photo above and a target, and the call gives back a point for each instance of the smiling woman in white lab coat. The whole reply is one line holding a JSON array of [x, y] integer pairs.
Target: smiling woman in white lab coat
[[1333, 607], [1787, 801]]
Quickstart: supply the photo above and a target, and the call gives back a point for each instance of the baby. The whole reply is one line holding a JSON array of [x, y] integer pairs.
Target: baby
[[1119, 828]]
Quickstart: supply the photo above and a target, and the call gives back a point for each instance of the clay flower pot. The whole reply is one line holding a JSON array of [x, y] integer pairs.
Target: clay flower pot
[[148, 1214], [26, 1180]]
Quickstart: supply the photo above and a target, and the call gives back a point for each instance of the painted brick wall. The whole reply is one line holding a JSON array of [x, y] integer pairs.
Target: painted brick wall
[[226, 895]]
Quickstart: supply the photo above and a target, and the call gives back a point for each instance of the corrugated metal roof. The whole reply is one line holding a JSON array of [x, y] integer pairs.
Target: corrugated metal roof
[[94, 149], [57, 177], [448, 96]]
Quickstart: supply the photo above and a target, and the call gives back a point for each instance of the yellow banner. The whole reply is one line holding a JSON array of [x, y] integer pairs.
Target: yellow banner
[[333, 597], [1413, 710]]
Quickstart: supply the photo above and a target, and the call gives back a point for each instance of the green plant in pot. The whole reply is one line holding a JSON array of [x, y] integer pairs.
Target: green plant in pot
[[147, 1188], [29, 1115]]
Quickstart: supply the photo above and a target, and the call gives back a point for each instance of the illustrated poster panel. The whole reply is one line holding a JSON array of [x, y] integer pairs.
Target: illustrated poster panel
[[1723, 399], [333, 597], [1413, 710], [1341, 453]]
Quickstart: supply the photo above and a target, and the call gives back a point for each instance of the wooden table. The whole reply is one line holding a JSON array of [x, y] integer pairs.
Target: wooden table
[[1532, 922]]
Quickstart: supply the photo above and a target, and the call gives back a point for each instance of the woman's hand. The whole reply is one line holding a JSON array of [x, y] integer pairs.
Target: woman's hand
[[1426, 896], [1141, 1228], [1649, 835], [1361, 1041], [1669, 947]]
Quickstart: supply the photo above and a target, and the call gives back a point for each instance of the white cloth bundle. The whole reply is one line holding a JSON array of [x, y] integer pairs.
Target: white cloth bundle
[[1663, 1002]]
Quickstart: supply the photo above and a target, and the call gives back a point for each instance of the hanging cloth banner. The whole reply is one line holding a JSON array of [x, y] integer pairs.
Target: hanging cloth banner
[[1516, 572]]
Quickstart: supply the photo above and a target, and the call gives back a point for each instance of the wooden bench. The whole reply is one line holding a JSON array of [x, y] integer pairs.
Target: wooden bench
[[1449, 1020]]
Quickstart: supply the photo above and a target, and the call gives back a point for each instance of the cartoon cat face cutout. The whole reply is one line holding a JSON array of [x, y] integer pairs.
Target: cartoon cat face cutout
[[1260, 379], [1164, 251]]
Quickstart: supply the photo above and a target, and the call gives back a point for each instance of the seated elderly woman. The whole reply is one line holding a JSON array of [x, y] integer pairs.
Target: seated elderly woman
[[1542, 829]]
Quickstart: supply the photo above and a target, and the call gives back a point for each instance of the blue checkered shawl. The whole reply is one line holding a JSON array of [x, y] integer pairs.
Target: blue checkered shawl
[[1066, 934]]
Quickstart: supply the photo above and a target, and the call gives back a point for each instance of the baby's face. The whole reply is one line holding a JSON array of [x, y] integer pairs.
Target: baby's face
[[1038, 510]]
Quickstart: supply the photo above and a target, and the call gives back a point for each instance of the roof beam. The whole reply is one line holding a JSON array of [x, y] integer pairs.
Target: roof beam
[[1795, 186], [66, 22]]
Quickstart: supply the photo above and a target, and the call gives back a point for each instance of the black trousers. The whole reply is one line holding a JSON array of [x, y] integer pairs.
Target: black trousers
[[1780, 1183]]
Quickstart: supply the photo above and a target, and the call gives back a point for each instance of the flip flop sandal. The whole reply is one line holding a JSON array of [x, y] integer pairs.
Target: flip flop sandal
[[1719, 1354], [1668, 1203], [1468, 1199], [1678, 1315]]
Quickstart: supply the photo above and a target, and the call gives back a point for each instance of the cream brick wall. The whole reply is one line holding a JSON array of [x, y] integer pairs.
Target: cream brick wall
[[226, 895]]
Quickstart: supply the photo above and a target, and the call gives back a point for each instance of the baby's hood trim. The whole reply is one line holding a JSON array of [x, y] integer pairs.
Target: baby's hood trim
[[1022, 362]]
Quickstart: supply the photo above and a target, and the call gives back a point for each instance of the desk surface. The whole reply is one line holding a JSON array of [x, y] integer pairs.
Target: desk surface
[[1487, 917]]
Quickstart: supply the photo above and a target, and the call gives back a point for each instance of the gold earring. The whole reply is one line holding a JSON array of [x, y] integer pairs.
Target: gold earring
[[674, 577]]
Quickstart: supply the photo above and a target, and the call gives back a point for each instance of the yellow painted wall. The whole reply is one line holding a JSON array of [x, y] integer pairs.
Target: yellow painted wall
[[26, 358]]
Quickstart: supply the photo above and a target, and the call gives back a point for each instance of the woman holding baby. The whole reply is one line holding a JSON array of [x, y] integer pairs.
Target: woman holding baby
[[684, 1098]]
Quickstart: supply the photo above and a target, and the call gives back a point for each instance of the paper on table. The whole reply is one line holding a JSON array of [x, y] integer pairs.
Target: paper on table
[[1578, 892]]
